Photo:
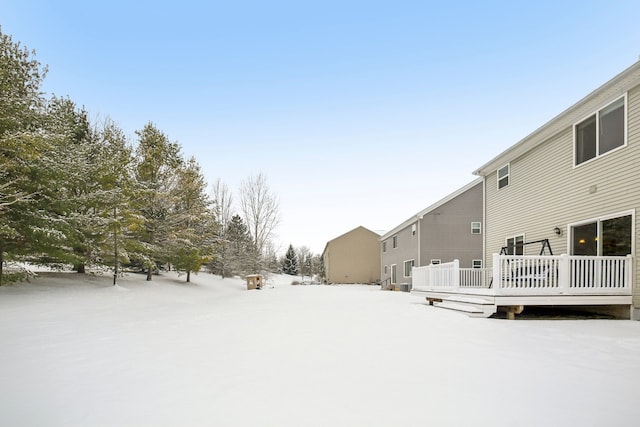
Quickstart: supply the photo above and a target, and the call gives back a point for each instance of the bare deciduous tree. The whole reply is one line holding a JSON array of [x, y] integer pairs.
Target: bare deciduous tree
[[261, 210], [222, 200]]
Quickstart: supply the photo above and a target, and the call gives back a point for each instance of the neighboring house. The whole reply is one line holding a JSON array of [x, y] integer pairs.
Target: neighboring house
[[353, 257], [449, 229], [574, 182]]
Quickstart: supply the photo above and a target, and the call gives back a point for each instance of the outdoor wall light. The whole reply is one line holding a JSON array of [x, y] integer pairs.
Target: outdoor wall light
[[557, 230]]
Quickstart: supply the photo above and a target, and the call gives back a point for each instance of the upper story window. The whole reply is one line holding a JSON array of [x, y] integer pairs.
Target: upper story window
[[476, 228], [395, 241], [503, 176], [601, 132], [384, 246]]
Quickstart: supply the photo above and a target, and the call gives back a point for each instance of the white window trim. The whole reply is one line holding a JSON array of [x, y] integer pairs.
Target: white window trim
[[598, 219], [514, 239], [413, 229], [596, 113], [394, 266], [473, 261], [437, 261], [476, 222], [498, 176], [405, 268]]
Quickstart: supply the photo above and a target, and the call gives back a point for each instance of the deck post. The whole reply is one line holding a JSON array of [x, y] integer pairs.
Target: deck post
[[564, 274], [628, 268], [497, 275], [456, 274], [512, 310]]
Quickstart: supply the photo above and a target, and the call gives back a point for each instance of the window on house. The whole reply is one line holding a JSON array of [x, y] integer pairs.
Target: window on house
[[384, 246], [394, 278], [476, 228], [476, 263], [515, 245], [503, 176], [395, 241], [408, 266], [385, 269], [607, 237], [601, 132], [435, 261]]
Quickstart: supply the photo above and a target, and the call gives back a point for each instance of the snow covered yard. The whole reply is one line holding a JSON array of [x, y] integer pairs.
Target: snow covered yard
[[79, 352]]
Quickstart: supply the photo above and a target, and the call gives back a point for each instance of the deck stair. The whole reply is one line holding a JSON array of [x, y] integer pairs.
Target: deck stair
[[473, 306]]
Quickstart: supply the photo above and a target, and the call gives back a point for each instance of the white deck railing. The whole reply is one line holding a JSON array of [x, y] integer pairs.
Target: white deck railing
[[546, 275], [475, 277], [562, 274], [450, 275], [443, 275]]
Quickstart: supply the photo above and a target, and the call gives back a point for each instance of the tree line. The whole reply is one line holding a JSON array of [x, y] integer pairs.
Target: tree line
[[77, 192]]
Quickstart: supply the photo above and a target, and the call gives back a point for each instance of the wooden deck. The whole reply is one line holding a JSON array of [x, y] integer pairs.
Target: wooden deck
[[516, 282]]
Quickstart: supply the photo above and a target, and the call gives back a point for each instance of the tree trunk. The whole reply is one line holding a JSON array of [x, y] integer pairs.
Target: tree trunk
[[115, 247], [80, 268], [188, 276], [149, 274]]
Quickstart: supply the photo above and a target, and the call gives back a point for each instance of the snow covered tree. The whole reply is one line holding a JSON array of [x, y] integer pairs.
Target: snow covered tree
[[317, 265], [304, 260], [222, 201], [158, 162], [115, 218], [73, 196], [290, 265], [261, 212], [241, 249], [22, 149], [193, 236]]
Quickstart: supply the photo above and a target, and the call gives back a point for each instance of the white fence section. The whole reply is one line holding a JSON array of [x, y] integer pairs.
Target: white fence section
[[443, 275], [449, 275], [533, 275]]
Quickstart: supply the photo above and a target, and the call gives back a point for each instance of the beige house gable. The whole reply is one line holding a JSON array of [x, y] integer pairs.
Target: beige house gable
[[353, 257]]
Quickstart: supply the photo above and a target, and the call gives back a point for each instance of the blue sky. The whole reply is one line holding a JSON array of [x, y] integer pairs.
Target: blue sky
[[359, 112]]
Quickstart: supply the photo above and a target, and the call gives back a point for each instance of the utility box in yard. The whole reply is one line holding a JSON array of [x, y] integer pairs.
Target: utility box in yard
[[254, 281]]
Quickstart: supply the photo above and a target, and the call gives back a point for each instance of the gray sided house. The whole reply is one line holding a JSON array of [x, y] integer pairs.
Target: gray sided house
[[449, 229], [576, 182]]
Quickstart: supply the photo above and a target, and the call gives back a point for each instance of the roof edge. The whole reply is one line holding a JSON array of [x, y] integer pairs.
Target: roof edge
[[626, 79], [432, 207]]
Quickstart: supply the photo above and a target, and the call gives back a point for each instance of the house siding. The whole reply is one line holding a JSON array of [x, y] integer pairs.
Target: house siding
[[547, 191], [445, 233], [353, 257], [407, 249]]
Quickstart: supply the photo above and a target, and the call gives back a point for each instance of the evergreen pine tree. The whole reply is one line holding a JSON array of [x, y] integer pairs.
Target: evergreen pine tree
[[22, 149], [240, 247], [290, 262], [158, 163], [191, 241]]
